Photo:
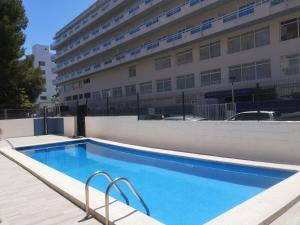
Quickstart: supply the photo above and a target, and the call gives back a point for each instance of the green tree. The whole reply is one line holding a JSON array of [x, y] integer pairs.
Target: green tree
[[20, 82]]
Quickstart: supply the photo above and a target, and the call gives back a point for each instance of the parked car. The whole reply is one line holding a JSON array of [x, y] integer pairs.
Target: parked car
[[152, 117], [256, 115]]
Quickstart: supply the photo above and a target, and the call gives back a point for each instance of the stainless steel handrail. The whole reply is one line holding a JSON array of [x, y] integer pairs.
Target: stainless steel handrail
[[87, 184], [131, 188]]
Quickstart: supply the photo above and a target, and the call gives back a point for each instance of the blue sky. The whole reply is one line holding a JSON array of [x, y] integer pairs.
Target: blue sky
[[46, 17]]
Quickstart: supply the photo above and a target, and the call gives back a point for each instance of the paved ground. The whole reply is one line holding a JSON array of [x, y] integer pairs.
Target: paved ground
[[36, 140], [291, 217], [25, 200]]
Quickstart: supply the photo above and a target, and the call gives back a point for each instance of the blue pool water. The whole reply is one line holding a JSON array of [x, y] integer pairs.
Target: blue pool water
[[178, 191]]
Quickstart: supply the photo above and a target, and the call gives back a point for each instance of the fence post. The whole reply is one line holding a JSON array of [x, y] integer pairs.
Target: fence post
[[5, 114], [183, 106], [86, 106], [45, 120], [107, 106], [138, 105]]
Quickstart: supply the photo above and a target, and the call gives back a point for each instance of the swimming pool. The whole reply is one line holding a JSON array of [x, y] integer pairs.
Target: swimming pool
[[171, 186]]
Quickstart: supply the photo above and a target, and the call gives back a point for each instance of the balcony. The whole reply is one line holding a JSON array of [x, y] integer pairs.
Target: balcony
[[148, 26], [103, 10], [110, 25], [212, 26]]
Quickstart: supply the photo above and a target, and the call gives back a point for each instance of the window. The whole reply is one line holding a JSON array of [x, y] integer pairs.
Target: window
[[96, 95], [262, 37], [67, 87], [77, 85], [235, 73], [43, 72], [44, 89], [249, 40], [164, 85], [184, 57], [105, 93], [87, 95], [291, 64], [290, 29], [211, 77], [42, 63], [263, 69], [43, 97], [163, 63], [250, 71], [87, 81], [81, 96], [132, 71], [130, 90], [117, 92], [75, 97], [210, 50], [68, 98], [185, 81], [146, 88], [234, 44]]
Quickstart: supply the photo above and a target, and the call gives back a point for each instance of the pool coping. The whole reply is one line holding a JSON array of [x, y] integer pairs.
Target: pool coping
[[120, 213], [263, 208]]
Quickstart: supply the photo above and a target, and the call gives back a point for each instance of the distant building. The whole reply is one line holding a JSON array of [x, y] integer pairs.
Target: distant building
[[160, 48], [42, 59]]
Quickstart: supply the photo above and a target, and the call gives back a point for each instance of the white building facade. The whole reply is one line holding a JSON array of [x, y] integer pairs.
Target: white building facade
[[42, 59], [160, 48]]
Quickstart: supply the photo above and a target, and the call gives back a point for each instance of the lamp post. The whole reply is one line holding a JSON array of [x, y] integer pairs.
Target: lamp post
[[232, 80]]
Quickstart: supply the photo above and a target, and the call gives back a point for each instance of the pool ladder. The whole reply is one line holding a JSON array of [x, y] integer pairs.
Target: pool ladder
[[113, 183]]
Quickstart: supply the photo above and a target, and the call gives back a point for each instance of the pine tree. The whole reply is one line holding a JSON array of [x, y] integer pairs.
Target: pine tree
[[20, 82]]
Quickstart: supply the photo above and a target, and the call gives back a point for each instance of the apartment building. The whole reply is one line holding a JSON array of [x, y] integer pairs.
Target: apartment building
[[160, 48], [42, 59]]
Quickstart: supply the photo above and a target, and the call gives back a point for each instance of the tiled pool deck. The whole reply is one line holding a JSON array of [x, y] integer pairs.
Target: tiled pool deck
[[25, 200]]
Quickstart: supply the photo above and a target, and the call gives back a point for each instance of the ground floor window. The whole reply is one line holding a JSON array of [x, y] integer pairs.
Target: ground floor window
[[105, 93], [130, 90], [117, 92], [250, 71], [291, 64], [96, 95], [211, 77], [87, 95], [185, 81], [146, 88], [164, 85]]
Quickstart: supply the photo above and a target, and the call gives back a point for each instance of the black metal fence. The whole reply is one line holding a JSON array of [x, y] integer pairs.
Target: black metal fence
[[22, 113], [183, 106]]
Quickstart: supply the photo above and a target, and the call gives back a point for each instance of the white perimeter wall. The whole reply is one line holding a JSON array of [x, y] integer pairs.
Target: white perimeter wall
[[259, 141], [69, 126], [25, 127], [17, 128]]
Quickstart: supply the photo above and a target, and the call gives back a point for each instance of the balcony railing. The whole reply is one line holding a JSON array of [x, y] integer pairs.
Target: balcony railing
[[100, 12], [142, 28], [190, 34], [106, 27], [117, 20]]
